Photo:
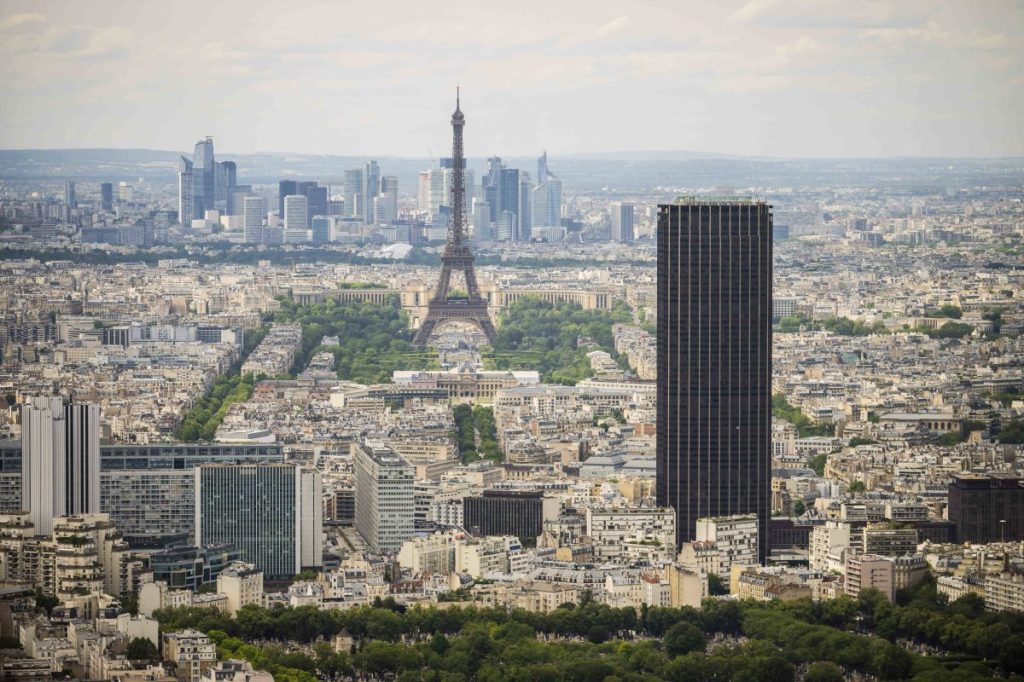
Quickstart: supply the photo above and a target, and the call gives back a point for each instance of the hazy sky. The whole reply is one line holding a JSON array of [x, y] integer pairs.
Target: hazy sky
[[760, 77]]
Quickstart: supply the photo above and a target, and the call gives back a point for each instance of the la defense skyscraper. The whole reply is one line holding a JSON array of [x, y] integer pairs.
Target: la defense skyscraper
[[714, 361]]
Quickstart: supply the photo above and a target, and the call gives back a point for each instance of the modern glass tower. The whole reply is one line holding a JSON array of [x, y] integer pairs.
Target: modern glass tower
[[270, 511], [714, 361]]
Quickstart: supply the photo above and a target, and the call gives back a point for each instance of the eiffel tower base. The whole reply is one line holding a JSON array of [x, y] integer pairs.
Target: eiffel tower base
[[455, 312]]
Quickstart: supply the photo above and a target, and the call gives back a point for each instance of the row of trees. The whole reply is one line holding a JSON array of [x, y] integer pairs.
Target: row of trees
[[227, 252], [476, 433], [750, 640], [843, 326], [535, 334], [202, 420], [373, 340]]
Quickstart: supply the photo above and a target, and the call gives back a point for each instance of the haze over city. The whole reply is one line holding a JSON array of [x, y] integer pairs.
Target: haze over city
[[779, 78]]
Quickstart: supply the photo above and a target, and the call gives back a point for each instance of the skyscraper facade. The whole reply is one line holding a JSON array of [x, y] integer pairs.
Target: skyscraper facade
[[371, 189], [321, 231], [354, 193], [265, 511], [60, 460], [69, 194], [107, 196], [714, 362], [385, 507], [547, 196], [296, 212], [252, 220], [622, 222], [316, 198], [386, 204], [508, 193], [203, 184]]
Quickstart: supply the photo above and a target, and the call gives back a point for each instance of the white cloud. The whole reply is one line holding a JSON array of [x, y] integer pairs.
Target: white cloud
[[16, 21]]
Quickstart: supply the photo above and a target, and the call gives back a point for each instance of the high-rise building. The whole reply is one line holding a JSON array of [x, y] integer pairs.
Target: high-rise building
[[622, 222], [507, 190], [423, 191], [205, 185], [524, 211], [439, 190], [107, 196], [60, 460], [316, 196], [987, 507], [321, 231], [186, 192], [371, 189], [354, 193], [271, 512], [547, 196], [225, 177], [714, 362], [386, 203], [204, 177], [491, 185], [385, 506], [252, 220], [296, 212], [69, 194]]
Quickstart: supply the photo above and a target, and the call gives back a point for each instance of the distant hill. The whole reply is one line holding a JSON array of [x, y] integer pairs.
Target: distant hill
[[619, 172]]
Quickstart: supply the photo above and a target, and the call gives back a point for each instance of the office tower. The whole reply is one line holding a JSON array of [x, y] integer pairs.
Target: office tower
[[69, 194], [252, 220], [353, 192], [386, 202], [714, 362], [186, 192], [336, 206], [60, 460], [505, 230], [126, 193], [622, 222], [547, 196], [423, 191], [106, 196], [525, 208], [225, 175], [271, 512], [321, 230], [491, 185], [204, 177], [987, 507], [385, 507], [481, 220], [509, 512], [316, 198], [236, 200], [296, 212], [285, 188], [149, 490], [371, 189]]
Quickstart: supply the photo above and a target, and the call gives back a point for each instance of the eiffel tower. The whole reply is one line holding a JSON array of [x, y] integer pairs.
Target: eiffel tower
[[457, 256]]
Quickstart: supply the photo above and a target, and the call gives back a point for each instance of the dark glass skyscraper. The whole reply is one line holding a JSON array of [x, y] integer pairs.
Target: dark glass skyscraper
[[714, 361]]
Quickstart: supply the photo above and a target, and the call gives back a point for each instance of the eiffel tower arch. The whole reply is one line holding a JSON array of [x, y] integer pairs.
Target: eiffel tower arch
[[457, 257]]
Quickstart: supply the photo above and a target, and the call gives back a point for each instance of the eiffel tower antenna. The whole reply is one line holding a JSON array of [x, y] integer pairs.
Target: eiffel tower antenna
[[457, 255]]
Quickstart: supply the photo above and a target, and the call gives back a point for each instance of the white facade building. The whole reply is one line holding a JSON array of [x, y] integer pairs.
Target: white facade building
[[385, 500]]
